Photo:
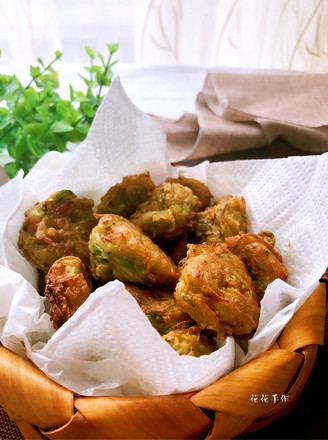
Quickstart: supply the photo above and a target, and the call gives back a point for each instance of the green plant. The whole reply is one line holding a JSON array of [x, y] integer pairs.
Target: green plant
[[36, 119]]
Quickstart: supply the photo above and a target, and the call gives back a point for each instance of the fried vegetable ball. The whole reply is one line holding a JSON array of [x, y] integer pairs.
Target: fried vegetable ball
[[191, 341], [119, 249], [216, 290], [59, 226], [67, 287], [198, 188], [263, 261], [225, 218], [124, 197], [170, 210], [160, 307]]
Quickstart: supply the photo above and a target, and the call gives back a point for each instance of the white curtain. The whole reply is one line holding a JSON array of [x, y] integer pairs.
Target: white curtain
[[269, 34], [37, 28]]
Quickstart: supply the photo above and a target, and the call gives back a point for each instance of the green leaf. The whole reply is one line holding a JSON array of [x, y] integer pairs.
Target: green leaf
[[43, 112], [35, 71], [38, 149], [11, 169], [63, 109], [75, 136], [71, 93], [113, 47], [88, 110], [51, 77], [8, 86], [35, 129], [48, 138], [92, 69], [102, 59], [86, 80], [38, 120], [4, 118], [89, 51], [66, 111], [80, 97], [112, 64], [82, 128], [19, 149], [59, 143], [20, 112], [31, 96], [61, 127], [40, 61], [103, 79]]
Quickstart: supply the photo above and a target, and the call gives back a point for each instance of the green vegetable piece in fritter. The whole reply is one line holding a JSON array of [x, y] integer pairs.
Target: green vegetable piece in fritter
[[59, 226], [225, 218], [124, 197], [159, 305], [170, 211], [119, 249]]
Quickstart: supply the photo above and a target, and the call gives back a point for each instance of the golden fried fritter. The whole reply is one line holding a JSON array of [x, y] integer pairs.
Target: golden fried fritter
[[67, 287], [216, 290], [59, 226], [191, 341], [226, 217], [119, 249], [160, 307], [124, 197], [263, 261], [170, 211], [198, 188]]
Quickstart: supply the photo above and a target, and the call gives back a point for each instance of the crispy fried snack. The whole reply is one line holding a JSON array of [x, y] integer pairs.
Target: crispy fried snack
[[67, 287], [216, 290], [124, 197], [226, 217], [263, 261], [191, 341], [198, 188], [160, 307], [59, 226], [170, 210], [119, 249]]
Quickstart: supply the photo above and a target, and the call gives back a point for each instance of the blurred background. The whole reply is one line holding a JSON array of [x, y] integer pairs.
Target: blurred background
[[171, 43], [270, 34]]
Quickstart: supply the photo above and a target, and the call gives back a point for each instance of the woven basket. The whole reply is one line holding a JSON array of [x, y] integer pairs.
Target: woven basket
[[245, 400]]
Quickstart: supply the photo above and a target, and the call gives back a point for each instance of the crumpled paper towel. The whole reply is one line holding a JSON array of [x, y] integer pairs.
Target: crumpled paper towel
[[109, 347]]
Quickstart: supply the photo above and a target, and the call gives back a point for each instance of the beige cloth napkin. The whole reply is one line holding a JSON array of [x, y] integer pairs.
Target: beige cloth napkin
[[241, 111]]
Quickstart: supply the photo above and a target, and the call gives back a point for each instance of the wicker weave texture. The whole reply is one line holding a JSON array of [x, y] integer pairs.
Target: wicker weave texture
[[242, 401], [8, 429]]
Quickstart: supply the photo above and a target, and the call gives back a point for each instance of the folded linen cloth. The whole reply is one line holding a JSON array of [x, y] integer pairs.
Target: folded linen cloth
[[241, 111]]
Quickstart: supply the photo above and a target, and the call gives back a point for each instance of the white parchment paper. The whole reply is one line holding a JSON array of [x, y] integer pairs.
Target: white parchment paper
[[109, 347]]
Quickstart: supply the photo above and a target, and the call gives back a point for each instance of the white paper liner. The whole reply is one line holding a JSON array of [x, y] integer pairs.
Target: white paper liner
[[109, 347]]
